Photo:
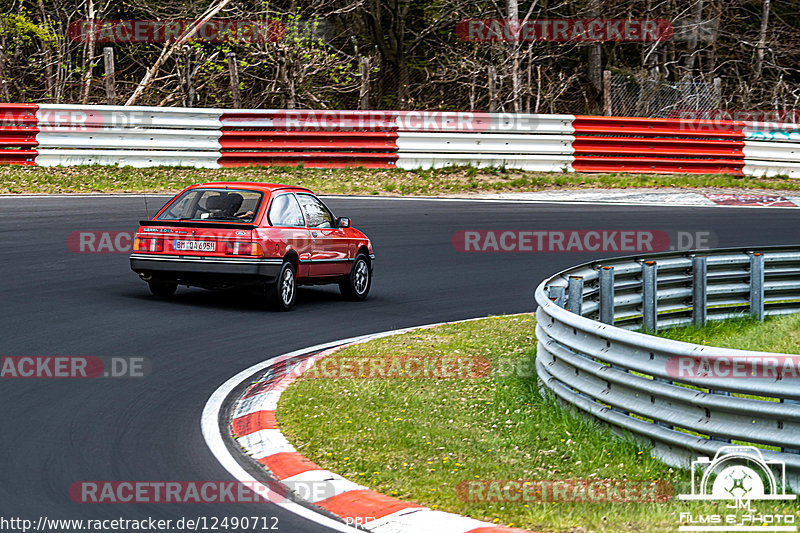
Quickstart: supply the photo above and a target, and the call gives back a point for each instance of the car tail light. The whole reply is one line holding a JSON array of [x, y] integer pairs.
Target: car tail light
[[148, 244], [243, 248]]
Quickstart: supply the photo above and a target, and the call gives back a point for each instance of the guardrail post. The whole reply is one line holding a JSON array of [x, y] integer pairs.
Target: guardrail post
[[607, 295], [720, 393], [757, 285], [790, 450], [699, 294], [575, 295], [556, 293], [650, 296]]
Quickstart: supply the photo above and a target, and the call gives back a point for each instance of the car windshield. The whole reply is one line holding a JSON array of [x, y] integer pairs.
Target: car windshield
[[234, 205]]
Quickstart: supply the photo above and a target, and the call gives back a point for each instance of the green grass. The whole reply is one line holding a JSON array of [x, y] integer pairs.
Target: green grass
[[417, 439], [775, 334], [451, 180]]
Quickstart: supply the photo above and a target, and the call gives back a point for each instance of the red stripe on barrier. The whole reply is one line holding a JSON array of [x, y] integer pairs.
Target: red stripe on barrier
[[309, 159], [16, 136], [18, 157], [653, 127], [18, 133], [658, 165], [287, 464], [325, 140], [365, 504], [305, 119], [17, 115], [245, 425], [648, 146]]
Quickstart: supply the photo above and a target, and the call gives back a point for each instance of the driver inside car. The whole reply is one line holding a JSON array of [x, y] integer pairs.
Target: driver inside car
[[224, 206], [233, 202]]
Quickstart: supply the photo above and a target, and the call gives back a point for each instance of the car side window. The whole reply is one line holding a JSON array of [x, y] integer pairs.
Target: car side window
[[316, 213], [285, 211]]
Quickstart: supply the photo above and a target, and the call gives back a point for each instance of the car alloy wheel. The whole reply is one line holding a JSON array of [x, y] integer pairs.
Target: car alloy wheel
[[355, 286], [287, 287], [360, 276]]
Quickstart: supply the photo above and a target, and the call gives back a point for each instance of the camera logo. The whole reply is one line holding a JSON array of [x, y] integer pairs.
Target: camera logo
[[738, 473]]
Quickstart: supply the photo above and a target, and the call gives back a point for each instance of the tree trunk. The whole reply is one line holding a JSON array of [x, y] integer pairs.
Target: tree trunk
[[88, 55], [697, 16], [762, 38], [233, 71], [607, 107], [3, 81], [513, 15], [108, 61], [363, 94], [48, 55], [595, 62], [403, 93], [287, 81], [492, 89]]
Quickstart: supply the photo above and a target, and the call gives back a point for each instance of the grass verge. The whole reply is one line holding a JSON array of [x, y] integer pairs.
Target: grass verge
[[775, 334], [417, 439], [451, 180]]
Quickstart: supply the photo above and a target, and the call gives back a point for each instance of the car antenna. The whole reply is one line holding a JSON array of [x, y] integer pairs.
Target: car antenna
[[144, 195]]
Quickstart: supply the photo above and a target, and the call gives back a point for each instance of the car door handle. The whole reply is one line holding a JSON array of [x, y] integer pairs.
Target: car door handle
[[313, 233]]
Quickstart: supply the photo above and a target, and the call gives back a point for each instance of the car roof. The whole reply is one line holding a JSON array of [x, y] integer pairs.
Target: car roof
[[267, 187]]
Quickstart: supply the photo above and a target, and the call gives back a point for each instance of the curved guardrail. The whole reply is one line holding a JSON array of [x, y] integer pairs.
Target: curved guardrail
[[686, 400]]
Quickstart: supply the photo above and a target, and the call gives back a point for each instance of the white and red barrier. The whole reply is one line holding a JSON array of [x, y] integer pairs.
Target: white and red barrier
[[65, 135]]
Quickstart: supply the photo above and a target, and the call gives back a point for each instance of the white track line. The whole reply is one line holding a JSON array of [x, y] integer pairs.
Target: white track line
[[550, 201]]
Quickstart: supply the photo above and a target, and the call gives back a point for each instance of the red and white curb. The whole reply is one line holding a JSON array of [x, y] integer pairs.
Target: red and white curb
[[650, 197], [253, 425]]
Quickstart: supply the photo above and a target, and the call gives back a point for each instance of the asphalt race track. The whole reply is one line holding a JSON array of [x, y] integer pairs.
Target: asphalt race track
[[56, 302]]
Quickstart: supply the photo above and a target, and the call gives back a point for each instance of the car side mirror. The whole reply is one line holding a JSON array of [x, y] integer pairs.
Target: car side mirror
[[343, 222]]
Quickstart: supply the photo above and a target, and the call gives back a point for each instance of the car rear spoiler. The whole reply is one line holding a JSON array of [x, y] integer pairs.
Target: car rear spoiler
[[197, 224]]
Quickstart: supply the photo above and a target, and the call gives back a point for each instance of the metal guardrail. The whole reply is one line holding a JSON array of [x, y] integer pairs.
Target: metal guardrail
[[65, 135], [589, 356]]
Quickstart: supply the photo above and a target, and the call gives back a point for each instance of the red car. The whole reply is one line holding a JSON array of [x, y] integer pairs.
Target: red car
[[274, 237]]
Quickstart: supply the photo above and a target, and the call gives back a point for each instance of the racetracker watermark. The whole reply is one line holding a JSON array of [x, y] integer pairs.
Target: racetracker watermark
[[89, 119], [399, 367], [202, 492], [211, 31], [73, 367], [564, 30], [100, 242], [580, 240], [150, 492], [168, 240], [410, 121], [565, 490], [775, 367], [712, 119]]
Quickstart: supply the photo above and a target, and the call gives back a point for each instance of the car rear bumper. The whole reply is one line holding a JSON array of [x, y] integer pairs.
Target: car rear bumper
[[186, 268]]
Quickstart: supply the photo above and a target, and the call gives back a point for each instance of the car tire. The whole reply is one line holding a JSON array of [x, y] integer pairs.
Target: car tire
[[282, 294], [357, 284], [161, 288]]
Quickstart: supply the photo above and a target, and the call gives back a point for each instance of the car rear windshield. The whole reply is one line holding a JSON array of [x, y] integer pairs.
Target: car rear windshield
[[233, 205]]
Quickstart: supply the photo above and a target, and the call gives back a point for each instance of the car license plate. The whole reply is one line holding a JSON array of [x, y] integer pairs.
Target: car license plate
[[194, 246]]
